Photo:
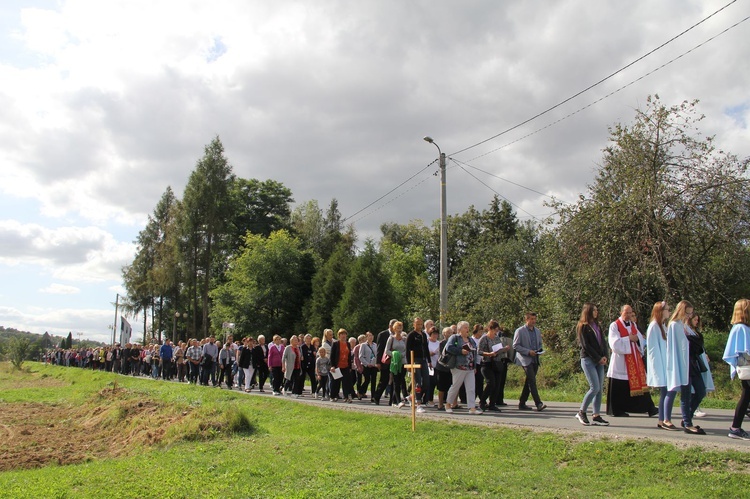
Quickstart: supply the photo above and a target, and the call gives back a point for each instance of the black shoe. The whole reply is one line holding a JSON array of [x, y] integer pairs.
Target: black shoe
[[541, 407], [493, 408], [621, 415], [483, 406], [501, 404], [653, 412], [599, 421], [582, 418], [523, 407]]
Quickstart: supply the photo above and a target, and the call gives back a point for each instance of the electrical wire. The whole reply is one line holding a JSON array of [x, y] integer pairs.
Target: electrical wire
[[387, 193], [394, 198], [569, 115], [459, 163], [493, 190], [594, 84], [464, 163]]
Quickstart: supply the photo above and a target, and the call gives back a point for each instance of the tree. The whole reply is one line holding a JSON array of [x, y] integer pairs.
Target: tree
[[260, 207], [266, 286], [499, 222], [206, 209], [18, 351], [368, 300], [327, 289], [666, 218], [308, 224], [407, 273], [497, 279]]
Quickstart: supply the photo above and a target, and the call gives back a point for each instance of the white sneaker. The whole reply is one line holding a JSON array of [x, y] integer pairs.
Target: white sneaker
[[420, 409], [475, 410], [448, 409], [400, 405], [699, 414]]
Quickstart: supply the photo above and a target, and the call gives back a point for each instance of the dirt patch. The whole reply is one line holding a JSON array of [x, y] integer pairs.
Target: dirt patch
[[115, 424]]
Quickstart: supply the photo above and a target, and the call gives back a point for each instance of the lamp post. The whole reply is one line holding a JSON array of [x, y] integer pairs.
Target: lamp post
[[443, 238]]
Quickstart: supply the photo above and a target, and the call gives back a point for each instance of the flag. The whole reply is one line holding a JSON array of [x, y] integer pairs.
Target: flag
[[125, 331]]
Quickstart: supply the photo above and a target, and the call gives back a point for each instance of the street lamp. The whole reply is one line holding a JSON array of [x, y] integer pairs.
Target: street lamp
[[443, 238]]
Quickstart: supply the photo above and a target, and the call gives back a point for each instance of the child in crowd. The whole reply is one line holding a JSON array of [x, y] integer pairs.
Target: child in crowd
[[322, 368]]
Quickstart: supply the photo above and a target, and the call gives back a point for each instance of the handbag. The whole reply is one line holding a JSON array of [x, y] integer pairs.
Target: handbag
[[743, 367]]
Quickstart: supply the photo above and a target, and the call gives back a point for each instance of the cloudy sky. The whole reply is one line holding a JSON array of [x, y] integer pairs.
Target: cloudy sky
[[105, 104]]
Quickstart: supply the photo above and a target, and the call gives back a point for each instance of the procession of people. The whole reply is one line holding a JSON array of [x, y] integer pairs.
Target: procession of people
[[467, 367]]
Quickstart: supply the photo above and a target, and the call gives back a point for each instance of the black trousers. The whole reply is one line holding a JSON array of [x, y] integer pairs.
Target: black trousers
[[369, 376], [742, 403], [491, 373], [385, 376], [262, 373], [346, 380], [278, 378]]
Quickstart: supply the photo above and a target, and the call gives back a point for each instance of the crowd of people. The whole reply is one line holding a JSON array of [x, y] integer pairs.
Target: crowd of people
[[458, 366]]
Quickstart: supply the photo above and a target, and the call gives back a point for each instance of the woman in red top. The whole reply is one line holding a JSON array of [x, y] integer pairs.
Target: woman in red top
[[341, 359]]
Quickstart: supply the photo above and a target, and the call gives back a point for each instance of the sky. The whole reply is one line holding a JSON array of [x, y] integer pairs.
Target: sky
[[103, 105]]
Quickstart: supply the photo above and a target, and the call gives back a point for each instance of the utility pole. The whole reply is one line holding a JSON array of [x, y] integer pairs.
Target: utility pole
[[114, 324], [443, 238]]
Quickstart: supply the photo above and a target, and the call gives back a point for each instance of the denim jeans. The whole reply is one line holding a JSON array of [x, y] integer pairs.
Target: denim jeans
[[689, 401], [666, 402], [594, 372]]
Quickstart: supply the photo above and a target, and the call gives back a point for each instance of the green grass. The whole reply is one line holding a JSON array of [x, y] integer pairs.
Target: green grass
[[280, 448]]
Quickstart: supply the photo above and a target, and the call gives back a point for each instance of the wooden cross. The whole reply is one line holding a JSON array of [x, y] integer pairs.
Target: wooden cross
[[412, 367]]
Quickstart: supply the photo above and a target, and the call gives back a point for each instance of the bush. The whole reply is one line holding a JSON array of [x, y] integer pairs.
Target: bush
[[18, 350]]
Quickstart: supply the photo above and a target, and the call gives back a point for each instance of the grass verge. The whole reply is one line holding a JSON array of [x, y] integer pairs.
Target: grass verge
[[271, 447]]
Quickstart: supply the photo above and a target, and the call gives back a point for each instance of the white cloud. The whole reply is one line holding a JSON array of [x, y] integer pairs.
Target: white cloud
[[116, 100], [82, 254], [92, 323], [60, 289]]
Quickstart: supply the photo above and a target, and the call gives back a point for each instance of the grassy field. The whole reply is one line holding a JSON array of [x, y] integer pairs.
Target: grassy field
[[142, 438]]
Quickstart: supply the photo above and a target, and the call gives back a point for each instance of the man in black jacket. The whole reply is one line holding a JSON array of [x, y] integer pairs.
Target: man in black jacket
[[416, 342], [384, 367]]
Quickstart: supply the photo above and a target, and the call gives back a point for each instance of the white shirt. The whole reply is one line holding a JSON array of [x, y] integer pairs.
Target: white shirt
[[434, 348], [621, 347]]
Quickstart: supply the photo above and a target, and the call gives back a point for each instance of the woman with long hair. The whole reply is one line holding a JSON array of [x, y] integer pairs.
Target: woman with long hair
[[738, 345], [680, 372], [656, 363], [594, 353]]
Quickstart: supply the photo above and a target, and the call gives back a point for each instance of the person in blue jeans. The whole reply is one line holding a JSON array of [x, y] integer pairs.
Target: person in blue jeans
[[594, 353]]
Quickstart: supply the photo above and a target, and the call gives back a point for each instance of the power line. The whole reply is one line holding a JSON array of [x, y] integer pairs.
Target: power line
[[387, 193], [546, 126], [610, 94], [493, 190], [503, 179], [595, 84], [396, 197]]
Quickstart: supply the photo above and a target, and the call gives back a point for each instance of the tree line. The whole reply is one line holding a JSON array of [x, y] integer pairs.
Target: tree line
[[666, 217]]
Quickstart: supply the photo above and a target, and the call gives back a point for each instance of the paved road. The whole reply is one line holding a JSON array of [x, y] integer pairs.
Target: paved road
[[559, 418]]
